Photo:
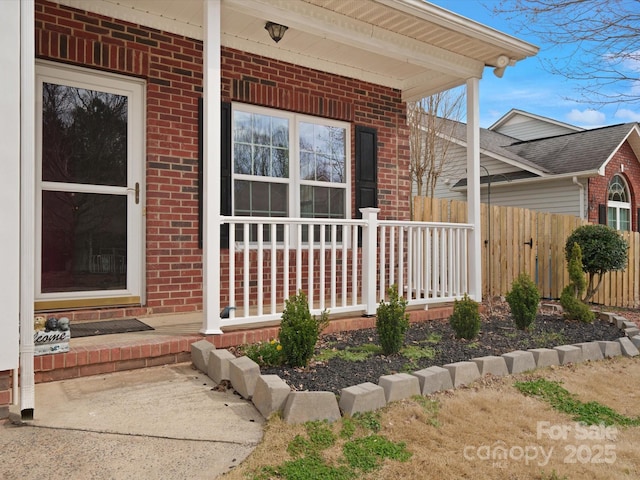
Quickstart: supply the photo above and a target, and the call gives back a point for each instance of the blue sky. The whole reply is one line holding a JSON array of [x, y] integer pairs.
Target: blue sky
[[527, 86]]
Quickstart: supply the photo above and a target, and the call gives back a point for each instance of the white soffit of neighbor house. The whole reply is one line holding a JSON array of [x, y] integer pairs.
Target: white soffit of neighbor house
[[410, 45]]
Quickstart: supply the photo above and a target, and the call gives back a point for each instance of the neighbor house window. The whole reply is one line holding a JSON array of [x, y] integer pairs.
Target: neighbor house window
[[289, 165], [619, 204]]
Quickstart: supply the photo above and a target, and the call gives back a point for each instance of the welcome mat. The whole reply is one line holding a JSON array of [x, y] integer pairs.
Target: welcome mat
[[108, 327]]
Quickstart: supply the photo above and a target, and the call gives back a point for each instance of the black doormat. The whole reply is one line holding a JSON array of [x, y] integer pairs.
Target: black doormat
[[108, 327]]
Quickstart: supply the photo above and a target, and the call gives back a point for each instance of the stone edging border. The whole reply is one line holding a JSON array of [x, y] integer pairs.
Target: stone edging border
[[271, 394]]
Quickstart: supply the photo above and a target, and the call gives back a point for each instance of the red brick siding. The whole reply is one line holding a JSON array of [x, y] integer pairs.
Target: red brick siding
[[598, 187], [6, 381], [172, 66]]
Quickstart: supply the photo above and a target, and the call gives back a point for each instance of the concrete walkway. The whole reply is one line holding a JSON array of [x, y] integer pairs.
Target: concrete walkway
[[163, 422]]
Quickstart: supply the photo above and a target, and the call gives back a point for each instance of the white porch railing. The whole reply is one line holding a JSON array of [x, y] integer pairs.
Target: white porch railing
[[343, 266]]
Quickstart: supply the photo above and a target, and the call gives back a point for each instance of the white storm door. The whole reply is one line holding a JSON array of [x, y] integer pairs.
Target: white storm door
[[89, 205]]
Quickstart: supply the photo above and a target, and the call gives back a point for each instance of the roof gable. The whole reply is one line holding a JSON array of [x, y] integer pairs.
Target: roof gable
[[527, 126]]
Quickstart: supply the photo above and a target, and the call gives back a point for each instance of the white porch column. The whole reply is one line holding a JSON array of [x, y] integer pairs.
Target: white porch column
[[369, 259], [473, 188], [27, 205], [211, 165], [10, 187]]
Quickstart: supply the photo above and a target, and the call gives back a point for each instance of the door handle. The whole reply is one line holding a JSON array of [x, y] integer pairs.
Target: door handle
[[136, 190]]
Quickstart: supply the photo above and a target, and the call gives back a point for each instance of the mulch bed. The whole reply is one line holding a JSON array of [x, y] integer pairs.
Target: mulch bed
[[498, 335]]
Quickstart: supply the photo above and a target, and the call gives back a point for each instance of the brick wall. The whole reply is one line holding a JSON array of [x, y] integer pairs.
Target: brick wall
[[625, 163], [172, 67]]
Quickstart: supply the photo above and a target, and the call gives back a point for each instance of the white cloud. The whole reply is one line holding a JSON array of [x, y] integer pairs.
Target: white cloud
[[628, 115], [587, 117]]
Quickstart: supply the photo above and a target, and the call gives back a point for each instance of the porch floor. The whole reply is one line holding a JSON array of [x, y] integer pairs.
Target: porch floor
[[170, 342]]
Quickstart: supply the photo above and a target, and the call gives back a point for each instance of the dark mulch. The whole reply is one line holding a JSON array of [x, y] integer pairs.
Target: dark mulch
[[498, 335]]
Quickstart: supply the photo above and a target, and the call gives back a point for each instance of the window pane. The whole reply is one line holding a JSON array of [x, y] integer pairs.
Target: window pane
[[325, 148], [260, 199], [261, 145], [84, 242], [625, 219], [612, 217], [242, 159], [84, 136]]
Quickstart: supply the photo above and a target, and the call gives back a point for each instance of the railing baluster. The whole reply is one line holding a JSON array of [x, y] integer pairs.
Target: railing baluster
[[286, 289], [409, 263], [322, 271], [299, 260], [383, 259], [334, 236], [260, 266], [354, 266], [345, 267], [246, 267], [310, 295], [392, 258], [401, 261], [274, 268], [232, 270]]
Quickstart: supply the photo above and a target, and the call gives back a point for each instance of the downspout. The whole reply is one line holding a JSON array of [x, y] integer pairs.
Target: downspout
[[27, 206], [581, 188]]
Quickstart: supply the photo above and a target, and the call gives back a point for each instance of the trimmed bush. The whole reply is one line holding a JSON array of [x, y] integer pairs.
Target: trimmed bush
[[465, 319], [523, 300], [574, 308], [392, 322], [299, 330], [603, 250]]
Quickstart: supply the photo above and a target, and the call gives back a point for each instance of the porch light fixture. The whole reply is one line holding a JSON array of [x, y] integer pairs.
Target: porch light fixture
[[276, 31]]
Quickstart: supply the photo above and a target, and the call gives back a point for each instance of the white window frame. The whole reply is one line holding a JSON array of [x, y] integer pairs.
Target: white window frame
[[294, 181], [134, 90], [618, 206]]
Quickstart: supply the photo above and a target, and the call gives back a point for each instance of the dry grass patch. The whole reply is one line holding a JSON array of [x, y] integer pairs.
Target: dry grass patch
[[451, 434]]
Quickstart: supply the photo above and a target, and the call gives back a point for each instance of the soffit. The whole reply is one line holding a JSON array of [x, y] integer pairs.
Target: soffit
[[409, 45]]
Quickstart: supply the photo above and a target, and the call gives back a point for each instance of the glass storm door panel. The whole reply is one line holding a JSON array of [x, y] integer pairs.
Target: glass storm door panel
[[89, 242]]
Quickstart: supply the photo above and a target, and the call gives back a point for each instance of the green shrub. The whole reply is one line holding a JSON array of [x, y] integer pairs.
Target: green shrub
[[299, 330], [523, 299], [603, 250], [465, 319], [392, 322], [574, 308], [267, 354]]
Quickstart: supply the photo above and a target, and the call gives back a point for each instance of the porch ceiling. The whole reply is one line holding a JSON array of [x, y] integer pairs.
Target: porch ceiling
[[410, 45]]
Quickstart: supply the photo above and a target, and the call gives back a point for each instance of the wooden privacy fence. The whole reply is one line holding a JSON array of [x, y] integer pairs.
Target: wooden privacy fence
[[517, 240]]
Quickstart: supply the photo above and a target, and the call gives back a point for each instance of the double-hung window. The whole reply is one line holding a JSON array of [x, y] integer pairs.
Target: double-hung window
[[289, 165]]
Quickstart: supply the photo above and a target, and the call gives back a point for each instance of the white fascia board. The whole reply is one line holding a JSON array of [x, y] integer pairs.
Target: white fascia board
[[323, 23], [514, 112], [460, 24]]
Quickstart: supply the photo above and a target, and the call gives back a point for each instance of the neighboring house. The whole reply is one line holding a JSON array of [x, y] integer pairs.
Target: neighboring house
[[538, 163], [137, 132]]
